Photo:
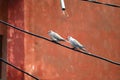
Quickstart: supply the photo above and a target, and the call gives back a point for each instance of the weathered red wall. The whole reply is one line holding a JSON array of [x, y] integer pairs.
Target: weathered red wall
[[15, 39], [95, 26]]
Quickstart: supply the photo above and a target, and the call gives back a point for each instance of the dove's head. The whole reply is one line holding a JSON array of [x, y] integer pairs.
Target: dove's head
[[50, 31], [69, 37]]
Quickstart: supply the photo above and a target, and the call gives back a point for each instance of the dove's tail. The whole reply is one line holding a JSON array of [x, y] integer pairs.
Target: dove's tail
[[62, 40], [84, 49], [66, 41]]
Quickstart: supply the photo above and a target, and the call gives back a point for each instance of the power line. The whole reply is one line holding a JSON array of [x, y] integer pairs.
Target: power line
[[18, 68], [93, 55], [107, 4]]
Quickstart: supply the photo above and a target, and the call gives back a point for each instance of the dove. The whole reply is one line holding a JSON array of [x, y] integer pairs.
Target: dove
[[75, 43], [55, 37], [91, 0]]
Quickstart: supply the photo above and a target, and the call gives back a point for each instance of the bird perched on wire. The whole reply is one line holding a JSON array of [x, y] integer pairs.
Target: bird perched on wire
[[76, 44], [91, 0], [55, 37]]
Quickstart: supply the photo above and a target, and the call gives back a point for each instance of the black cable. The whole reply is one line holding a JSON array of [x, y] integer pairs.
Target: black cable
[[93, 55], [18, 68], [112, 5]]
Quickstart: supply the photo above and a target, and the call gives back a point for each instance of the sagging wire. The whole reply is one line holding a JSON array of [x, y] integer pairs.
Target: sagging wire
[[107, 4], [38, 36], [2, 60]]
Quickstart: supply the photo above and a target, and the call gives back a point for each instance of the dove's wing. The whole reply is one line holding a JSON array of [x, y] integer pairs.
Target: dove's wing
[[52, 36], [79, 44], [75, 43], [57, 36], [91, 0]]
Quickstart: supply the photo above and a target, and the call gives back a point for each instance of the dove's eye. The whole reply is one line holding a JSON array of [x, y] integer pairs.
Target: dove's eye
[[49, 31]]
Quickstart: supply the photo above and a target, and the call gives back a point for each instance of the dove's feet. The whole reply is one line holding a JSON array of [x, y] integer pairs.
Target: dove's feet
[[74, 48], [54, 41]]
